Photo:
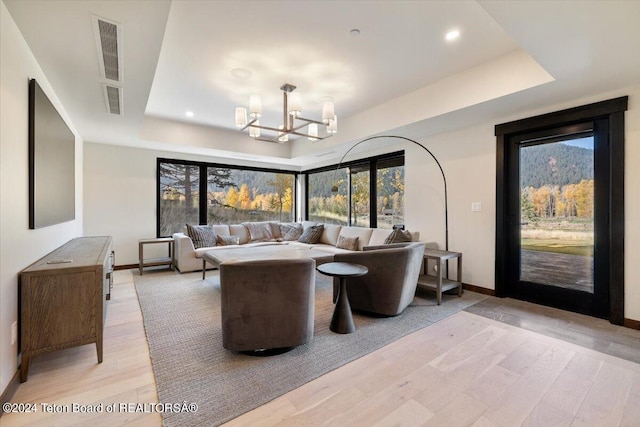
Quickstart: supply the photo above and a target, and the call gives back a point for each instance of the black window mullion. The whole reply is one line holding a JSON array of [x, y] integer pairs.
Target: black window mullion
[[202, 201], [373, 193]]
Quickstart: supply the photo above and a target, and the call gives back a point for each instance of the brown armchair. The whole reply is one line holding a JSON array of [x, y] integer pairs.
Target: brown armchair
[[267, 304], [391, 283]]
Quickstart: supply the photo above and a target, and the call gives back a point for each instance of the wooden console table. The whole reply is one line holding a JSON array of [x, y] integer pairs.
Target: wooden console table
[[438, 283], [152, 262], [63, 298]]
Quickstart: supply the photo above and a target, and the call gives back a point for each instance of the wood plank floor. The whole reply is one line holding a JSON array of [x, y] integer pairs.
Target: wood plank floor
[[465, 370]]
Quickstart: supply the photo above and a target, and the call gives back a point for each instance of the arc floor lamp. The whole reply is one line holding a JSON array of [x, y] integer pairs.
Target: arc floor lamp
[[444, 179]]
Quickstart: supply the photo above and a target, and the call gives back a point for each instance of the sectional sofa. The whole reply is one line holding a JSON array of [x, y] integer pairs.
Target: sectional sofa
[[188, 258]]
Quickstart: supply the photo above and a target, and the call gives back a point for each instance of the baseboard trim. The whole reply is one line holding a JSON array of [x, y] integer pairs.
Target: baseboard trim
[[8, 392], [479, 289], [126, 267], [631, 323]]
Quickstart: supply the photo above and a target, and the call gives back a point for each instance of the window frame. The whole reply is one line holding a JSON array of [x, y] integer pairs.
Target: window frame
[[373, 180], [202, 185]]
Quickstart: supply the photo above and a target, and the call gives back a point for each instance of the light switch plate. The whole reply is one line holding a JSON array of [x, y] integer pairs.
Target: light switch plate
[[476, 207]]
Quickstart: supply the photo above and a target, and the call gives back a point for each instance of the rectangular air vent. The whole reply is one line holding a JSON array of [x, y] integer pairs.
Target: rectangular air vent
[[113, 99], [109, 46]]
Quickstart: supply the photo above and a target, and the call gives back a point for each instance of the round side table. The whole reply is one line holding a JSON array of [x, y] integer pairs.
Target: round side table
[[342, 320]]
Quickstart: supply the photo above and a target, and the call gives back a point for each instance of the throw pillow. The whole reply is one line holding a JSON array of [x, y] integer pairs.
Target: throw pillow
[[290, 231], [228, 240], [312, 234], [202, 236], [398, 236], [350, 243], [259, 231]]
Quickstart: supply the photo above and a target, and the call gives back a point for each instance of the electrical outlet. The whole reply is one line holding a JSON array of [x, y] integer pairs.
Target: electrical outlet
[[14, 332]]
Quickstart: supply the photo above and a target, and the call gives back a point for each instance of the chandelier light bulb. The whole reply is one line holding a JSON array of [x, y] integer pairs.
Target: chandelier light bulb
[[295, 103], [255, 106], [312, 130], [328, 112], [284, 137], [241, 117], [254, 132], [333, 125]]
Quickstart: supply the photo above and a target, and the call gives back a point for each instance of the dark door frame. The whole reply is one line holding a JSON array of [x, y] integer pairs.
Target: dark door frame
[[610, 110]]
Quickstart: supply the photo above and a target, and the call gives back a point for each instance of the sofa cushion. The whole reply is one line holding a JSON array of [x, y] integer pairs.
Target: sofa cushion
[[350, 243], [312, 234], [260, 231], [363, 234], [227, 240], [398, 236], [240, 231], [201, 235], [307, 224], [290, 231], [221, 229], [330, 234], [379, 235]]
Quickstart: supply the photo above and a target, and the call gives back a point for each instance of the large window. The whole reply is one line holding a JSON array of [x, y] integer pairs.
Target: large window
[[349, 195], [233, 195]]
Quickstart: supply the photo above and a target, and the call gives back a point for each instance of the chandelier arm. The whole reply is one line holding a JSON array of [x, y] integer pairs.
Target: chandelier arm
[[310, 121], [444, 179], [249, 124], [259, 138], [311, 136], [268, 128]]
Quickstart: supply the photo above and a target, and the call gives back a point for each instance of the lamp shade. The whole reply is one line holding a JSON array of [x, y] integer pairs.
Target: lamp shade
[[255, 106], [295, 103], [254, 132], [312, 130], [333, 125], [284, 137], [241, 117], [328, 112]]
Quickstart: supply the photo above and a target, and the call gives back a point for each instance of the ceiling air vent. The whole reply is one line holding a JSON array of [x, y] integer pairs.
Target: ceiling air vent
[[113, 99], [109, 45]]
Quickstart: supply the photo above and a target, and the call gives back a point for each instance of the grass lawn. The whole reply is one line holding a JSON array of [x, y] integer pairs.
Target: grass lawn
[[579, 247]]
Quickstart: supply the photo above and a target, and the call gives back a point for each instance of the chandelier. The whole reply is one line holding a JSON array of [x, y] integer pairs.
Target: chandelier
[[293, 123]]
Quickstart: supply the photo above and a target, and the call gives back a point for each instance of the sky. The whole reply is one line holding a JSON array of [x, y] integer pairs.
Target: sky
[[582, 143]]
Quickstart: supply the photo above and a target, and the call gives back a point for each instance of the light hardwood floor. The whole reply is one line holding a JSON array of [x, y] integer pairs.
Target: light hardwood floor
[[464, 370]]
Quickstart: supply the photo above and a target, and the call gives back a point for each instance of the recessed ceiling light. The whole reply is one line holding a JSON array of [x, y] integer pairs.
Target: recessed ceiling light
[[355, 32], [452, 35], [189, 114], [241, 73]]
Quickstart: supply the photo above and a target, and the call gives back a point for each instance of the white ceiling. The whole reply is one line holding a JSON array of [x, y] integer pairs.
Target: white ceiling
[[398, 74]]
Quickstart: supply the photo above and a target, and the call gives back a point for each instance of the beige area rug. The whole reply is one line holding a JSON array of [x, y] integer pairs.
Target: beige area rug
[[183, 327]]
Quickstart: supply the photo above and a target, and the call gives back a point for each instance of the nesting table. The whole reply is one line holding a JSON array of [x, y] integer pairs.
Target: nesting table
[[342, 319], [438, 283]]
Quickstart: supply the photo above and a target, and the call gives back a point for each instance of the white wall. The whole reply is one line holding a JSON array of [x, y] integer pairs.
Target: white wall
[[20, 246]]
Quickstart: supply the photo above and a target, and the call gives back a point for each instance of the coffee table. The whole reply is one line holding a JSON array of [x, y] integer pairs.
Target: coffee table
[[342, 319]]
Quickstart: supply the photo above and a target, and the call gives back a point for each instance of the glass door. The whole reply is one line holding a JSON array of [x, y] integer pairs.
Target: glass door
[[556, 213], [557, 217]]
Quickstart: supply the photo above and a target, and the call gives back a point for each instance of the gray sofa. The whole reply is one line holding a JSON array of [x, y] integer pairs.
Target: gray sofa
[[188, 259], [389, 286], [267, 304]]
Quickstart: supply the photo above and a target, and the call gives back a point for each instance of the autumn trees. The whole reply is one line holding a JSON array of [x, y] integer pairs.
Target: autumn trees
[[553, 201]]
